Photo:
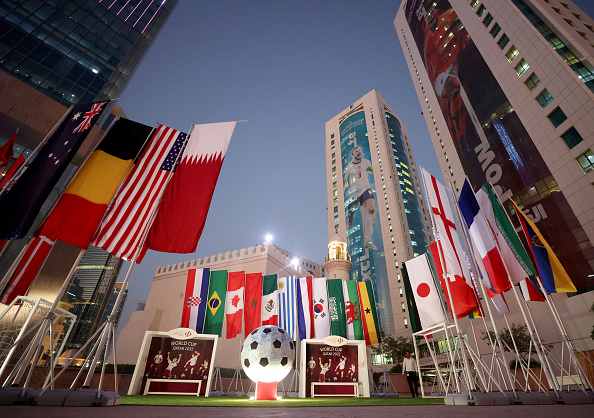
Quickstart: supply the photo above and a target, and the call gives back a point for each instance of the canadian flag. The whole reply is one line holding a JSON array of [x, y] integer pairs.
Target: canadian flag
[[425, 292], [234, 301]]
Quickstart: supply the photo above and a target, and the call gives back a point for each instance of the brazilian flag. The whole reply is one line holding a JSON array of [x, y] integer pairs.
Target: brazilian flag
[[215, 306]]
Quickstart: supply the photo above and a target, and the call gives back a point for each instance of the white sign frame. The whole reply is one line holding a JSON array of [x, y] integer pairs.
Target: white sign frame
[[144, 351], [362, 366]]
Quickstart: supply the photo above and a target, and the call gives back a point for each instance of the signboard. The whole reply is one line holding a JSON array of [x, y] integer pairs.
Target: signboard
[[167, 361]]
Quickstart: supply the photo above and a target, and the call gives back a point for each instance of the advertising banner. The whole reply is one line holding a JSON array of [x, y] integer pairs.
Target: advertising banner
[[331, 364], [490, 139]]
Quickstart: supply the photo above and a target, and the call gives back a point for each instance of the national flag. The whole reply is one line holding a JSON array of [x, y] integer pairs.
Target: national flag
[[516, 259], [269, 300], [126, 220], [305, 315], [500, 303], [182, 213], [530, 290], [13, 168], [352, 309], [483, 238], [336, 308], [552, 274], [369, 313], [21, 204], [451, 249], [194, 307], [235, 303], [253, 298], [26, 272], [215, 306], [320, 308], [424, 292], [6, 153], [287, 319], [81, 207], [413, 312]]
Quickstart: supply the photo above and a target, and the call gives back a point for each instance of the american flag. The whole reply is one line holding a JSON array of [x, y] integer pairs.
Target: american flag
[[122, 228]]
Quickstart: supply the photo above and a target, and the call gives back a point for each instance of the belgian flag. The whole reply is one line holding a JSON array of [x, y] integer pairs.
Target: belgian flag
[[81, 207]]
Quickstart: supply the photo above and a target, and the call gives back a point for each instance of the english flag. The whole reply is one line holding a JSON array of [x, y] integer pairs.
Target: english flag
[[462, 290], [305, 315], [122, 228], [182, 213], [235, 298], [269, 300], [287, 319], [253, 299], [530, 290], [424, 292], [195, 299], [320, 308]]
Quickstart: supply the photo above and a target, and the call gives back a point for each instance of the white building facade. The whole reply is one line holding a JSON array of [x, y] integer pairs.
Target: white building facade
[[375, 203]]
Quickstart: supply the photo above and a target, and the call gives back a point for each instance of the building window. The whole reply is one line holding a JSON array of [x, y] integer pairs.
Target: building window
[[398, 274], [405, 323], [387, 207], [572, 137], [586, 161], [392, 239], [335, 209], [385, 196], [441, 143], [488, 20], [544, 98], [495, 31], [333, 155], [532, 82], [390, 227], [557, 117], [333, 162], [512, 53], [335, 193], [481, 10], [396, 263], [451, 171], [334, 184], [336, 218], [334, 169], [389, 217], [335, 201], [522, 67], [332, 136], [446, 156], [503, 41], [403, 305], [336, 227], [456, 186], [473, 4], [400, 291], [333, 176]]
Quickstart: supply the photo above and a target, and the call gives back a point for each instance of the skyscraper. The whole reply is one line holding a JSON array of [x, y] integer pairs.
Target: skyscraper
[[375, 202], [507, 90]]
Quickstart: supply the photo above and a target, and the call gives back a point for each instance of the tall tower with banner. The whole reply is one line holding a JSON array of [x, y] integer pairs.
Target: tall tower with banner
[[375, 203], [507, 90]]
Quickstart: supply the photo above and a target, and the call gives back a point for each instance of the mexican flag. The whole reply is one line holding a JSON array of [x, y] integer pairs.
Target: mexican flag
[[269, 300], [352, 309], [215, 307], [336, 308]]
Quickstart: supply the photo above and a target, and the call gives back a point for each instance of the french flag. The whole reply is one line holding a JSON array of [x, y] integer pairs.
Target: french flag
[[305, 317], [195, 299], [482, 237], [530, 290]]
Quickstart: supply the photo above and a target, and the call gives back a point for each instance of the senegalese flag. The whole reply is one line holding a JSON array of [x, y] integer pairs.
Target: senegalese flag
[[552, 274], [81, 207], [369, 313], [352, 309], [336, 308], [215, 307]]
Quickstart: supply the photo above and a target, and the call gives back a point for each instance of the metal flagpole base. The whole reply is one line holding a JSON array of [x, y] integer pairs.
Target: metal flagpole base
[[458, 399], [13, 396], [77, 397]]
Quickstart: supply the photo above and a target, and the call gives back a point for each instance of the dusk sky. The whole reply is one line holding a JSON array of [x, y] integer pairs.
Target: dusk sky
[[287, 67]]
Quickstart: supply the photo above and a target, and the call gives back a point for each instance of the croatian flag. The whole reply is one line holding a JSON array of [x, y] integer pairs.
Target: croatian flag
[[320, 308], [530, 290], [286, 311], [305, 316], [195, 299]]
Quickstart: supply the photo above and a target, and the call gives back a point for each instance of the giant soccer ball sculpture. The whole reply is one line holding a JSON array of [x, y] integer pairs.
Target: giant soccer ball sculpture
[[267, 357]]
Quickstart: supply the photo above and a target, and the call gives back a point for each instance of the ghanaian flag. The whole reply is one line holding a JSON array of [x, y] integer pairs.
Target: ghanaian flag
[[81, 207], [368, 313]]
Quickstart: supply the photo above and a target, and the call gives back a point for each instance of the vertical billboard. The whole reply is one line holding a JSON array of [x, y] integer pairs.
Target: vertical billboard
[[364, 235], [490, 139]]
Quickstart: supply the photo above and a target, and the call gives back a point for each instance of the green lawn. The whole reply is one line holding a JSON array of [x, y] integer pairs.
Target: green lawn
[[171, 400]]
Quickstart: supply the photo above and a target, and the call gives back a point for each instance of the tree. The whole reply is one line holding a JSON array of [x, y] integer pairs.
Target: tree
[[394, 347], [520, 336]]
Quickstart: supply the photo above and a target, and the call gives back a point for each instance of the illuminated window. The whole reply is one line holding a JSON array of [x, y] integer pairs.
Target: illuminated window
[[336, 218], [451, 171], [400, 291], [446, 156], [398, 274], [512, 53], [387, 206], [572, 137], [390, 227], [336, 227], [473, 3], [532, 82], [385, 196], [586, 161], [396, 263], [389, 217], [333, 176], [456, 186], [392, 239], [557, 117], [441, 143], [335, 201], [334, 193], [405, 322], [403, 305], [503, 41], [522, 67], [544, 98]]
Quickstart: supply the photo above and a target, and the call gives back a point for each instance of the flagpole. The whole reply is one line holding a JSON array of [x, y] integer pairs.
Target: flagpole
[[455, 317], [486, 298]]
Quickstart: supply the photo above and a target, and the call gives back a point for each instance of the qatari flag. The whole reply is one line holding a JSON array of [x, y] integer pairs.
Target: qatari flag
[[195, 299], [182, 213]]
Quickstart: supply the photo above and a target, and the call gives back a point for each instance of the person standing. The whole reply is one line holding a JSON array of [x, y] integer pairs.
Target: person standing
[[409, 366]]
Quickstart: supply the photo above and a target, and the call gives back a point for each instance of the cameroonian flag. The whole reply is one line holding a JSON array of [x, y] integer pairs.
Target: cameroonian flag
[[336, 308], [215, 307], [81, 207], [369, 313], [352, 309]]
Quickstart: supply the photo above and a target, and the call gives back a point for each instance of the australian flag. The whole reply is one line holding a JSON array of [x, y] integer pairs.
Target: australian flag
[[21, 204]]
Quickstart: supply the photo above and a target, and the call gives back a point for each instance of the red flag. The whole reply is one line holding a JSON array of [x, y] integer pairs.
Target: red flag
[[13, 168], [32, 262], [234, 310], [253, 297], [123, 226], [6, 153], [182, 213]]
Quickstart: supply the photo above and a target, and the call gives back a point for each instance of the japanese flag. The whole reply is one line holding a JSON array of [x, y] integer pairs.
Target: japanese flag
[[425, 292]]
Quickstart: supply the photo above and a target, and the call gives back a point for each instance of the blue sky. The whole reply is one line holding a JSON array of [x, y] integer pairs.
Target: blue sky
[[287, 67]]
